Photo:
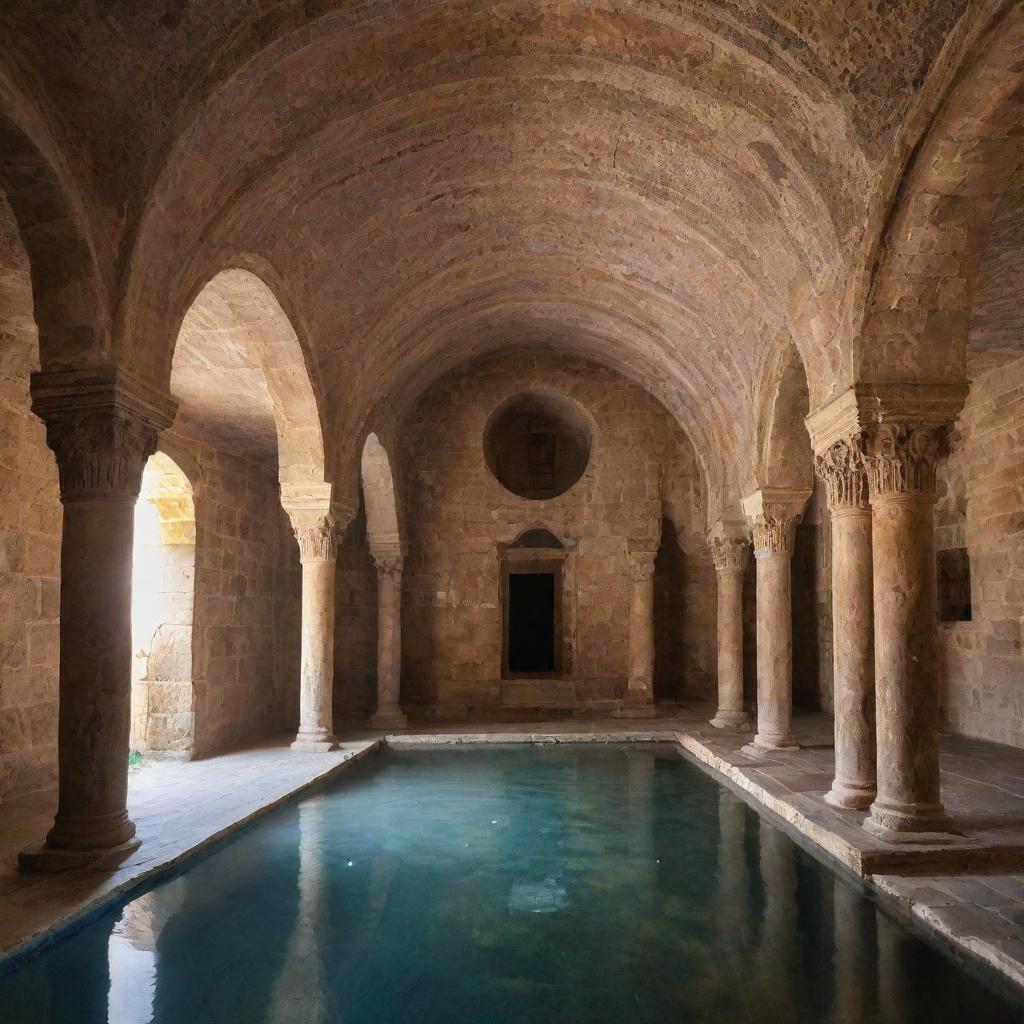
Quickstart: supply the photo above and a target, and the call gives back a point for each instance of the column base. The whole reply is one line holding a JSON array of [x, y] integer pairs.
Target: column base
[[850, 796], [389, 718], [43, 857], [315, 742], [731, 720], [772, 743], [888, 817]]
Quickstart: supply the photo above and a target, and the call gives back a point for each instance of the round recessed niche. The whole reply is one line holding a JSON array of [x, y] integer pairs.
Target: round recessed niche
[[537, 445]]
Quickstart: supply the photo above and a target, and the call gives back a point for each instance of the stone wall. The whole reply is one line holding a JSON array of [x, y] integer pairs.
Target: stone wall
[[981, 506], [247, 601], [30, 518], [458, 515]]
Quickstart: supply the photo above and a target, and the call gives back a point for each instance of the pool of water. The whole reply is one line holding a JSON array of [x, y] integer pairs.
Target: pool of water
[[491, 885]]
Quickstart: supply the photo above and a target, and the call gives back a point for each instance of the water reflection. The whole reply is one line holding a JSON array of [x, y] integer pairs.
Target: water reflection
[[402, 895], [299, 993]]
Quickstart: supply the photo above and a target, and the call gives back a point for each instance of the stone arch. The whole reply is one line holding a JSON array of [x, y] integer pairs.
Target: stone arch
[[264, 388], [784, 455], [69, 298], [163, 606], [382, 526], [918, 310]]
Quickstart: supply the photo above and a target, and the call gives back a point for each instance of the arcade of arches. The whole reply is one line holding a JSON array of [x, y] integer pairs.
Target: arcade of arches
[[436, 362]]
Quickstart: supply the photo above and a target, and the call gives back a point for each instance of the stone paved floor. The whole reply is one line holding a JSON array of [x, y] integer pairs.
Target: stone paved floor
[[178, 807], [958, 890]]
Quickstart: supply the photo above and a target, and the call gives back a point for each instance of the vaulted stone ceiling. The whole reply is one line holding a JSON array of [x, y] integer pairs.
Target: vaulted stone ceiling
[[679, 190]]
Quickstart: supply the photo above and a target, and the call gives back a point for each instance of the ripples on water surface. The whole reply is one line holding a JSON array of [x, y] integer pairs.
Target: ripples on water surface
[[491, 885]]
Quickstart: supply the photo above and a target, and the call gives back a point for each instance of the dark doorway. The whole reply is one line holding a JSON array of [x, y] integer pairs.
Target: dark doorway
[[531, 622]]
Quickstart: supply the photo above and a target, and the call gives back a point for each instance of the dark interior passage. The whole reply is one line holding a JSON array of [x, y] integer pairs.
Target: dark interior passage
[[531, 622]]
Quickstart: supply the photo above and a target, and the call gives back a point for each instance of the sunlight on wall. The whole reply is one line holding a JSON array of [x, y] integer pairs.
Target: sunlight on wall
[[163, 597]]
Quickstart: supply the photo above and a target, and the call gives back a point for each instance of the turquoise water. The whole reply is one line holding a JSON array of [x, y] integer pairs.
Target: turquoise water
[[598, 884]]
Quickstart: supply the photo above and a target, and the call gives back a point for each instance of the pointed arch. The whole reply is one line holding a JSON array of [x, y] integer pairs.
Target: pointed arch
[[68, 293], [239, 367], [918, 311], [382, 525], [784, 457]]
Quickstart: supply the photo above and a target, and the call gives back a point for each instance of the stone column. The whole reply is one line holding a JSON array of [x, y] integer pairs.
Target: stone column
[[774, 516], [730, 556], [315, 532], [841, 468], [389, 643], [639, 701], [102, 427], [901, 459]]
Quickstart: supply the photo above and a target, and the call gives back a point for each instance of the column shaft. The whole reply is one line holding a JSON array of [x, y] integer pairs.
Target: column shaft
[[774, 651], [316, 688], [730, 558], [853, 670], [841, 468], [774, 515], [901, 460], [389, 644], [639, 700], [907, 707]]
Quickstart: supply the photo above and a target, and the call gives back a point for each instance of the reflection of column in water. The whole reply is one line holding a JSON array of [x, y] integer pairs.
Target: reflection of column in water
[[732, 918], [778, 953], [640, 798], [892, 1004], [299, 996], [132, 953], [849, 921]]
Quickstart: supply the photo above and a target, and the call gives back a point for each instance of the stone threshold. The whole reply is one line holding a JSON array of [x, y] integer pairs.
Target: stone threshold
[[40, 909]]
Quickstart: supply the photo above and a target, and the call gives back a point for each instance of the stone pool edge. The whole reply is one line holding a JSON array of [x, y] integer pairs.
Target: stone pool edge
[[78, 916]]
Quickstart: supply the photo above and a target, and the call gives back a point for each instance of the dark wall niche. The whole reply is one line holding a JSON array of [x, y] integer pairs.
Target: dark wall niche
[[954, 585], [537, 445]]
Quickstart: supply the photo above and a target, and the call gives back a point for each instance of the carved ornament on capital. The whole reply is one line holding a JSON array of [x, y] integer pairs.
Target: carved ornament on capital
[[902, 457], [774, 514], [842, 469], [641, 566], [317, 536], [729, 553], [102, 427], [389, 567]]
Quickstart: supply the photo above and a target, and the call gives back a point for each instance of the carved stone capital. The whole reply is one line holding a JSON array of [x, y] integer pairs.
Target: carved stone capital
[[389, 567], [729, 553], [901, 458], [102, 427], [774, 514], [842, 469], [317, 536], [641, 565]]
